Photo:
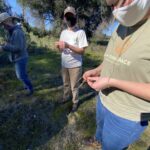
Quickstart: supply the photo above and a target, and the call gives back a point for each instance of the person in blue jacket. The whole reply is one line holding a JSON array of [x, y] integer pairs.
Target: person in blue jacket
[[17, 49]]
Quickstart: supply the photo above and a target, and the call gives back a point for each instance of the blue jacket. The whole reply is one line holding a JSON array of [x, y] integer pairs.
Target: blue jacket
[[16, 44]]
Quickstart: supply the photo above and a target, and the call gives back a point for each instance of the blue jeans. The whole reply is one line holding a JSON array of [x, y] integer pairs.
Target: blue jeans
[[114, 132], [21, 73]]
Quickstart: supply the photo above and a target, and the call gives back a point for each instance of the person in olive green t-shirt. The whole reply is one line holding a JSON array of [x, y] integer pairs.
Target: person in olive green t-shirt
[[123, 79]]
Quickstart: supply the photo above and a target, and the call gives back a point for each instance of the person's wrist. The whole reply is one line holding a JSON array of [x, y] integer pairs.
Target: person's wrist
[[97, 72], [112, 82]]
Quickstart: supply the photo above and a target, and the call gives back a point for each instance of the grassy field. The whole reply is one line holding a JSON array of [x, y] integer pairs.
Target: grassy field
[[39, 122]]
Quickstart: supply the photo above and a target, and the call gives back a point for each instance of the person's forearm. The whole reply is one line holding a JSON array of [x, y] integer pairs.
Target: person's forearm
[[141, 90], [76, 49], [17, 44], [10, 48]]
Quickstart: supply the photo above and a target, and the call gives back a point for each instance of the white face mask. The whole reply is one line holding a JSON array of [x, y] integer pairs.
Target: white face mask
[[133, 13]]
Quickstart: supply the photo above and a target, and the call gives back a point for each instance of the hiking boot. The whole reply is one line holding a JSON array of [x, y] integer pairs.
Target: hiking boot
[[92, 142], [74, 107]]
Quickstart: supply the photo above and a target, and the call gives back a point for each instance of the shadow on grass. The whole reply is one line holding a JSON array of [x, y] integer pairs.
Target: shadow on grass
[[33, 122], [27, 126], [86, 94]]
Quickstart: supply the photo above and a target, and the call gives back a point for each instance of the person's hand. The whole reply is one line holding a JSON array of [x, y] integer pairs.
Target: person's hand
[[57, 44], [98, 83], [1, 48], [61, 45], [90, 73]]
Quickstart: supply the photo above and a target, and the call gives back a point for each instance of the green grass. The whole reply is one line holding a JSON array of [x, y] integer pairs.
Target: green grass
[[39, 122]]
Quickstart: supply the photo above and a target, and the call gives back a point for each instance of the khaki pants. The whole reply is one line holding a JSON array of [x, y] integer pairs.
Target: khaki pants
[[70, 78]]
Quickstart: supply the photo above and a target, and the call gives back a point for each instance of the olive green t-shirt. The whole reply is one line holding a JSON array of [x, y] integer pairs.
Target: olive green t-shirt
[[127, 59]]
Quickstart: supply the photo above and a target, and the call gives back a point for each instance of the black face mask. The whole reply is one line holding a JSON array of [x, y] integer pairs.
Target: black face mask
[[71, 21]]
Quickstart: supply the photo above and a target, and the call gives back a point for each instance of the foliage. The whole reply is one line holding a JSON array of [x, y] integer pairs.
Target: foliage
[[2, 6], [3, 56], [40, 33], [90, 13]]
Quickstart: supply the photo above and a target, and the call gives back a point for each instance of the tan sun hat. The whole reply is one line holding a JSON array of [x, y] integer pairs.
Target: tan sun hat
[[70, 9], [4, 16]]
